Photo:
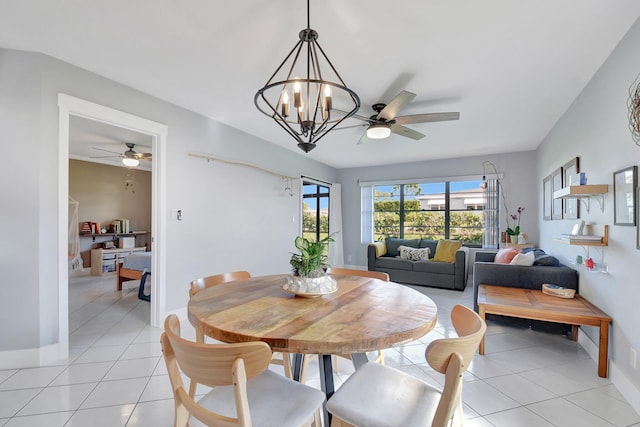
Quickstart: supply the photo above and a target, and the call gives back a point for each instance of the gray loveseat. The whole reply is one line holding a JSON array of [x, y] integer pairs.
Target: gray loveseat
[[546, 269], [384, 256]]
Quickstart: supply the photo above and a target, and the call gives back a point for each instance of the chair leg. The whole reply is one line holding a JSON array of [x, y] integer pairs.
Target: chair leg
[[317, 419], [286, 361], [303, 368], [181, 416]]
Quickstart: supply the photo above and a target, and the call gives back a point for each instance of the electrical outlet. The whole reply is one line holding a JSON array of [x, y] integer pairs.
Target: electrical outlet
[[632, 357]]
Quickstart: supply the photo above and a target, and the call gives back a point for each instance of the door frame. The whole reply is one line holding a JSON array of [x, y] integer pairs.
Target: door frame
[[70, 106]]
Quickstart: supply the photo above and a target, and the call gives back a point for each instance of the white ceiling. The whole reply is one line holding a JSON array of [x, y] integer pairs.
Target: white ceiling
[[511, 68], [98, 142]]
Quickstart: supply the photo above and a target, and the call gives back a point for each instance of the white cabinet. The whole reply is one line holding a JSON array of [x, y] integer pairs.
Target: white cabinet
[[103, 261]]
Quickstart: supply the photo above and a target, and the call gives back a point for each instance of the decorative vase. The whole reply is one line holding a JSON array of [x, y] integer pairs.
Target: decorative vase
[[514, 238], [316, 282]]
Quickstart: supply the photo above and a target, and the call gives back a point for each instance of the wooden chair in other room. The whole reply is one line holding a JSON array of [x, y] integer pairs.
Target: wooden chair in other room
[[346, 272], [244, 391], [281, 359], [377, 395]]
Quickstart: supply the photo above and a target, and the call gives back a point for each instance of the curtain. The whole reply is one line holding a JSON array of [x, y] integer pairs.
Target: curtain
[[75, 261], [490, 237], [336, 254], [366, 217]]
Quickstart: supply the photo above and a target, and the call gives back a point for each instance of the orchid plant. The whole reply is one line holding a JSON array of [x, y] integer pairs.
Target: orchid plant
[[515, 217]]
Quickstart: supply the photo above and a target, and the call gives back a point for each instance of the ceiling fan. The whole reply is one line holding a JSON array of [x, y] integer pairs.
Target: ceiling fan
[[130, 157], [387, 121]]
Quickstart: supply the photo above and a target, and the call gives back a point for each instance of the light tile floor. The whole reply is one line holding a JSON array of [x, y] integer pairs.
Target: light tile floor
[[115, 375]]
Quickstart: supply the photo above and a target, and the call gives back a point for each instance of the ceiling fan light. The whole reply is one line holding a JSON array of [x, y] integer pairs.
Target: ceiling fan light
[[378, 131], [127, 161]]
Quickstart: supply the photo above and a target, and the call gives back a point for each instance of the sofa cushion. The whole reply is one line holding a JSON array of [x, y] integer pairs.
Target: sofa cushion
[[542, 258], [505, 255], [381, 248], [434, 267], [396, 263], [431, 244], [414, 254], [393, 244], [446, 250], [525, 259]]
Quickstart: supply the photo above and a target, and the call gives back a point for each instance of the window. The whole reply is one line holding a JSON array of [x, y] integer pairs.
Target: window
[[315, 211], [439, 210]]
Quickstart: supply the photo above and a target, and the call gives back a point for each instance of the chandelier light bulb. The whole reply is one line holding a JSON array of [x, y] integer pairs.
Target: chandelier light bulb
[[285, 103]]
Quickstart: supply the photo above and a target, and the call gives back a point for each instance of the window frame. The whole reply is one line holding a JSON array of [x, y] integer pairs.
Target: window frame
[[317, 195], [402, 213]]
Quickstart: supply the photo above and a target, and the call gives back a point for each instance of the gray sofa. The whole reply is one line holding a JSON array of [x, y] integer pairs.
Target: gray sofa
[[546, 269], [384, 256]]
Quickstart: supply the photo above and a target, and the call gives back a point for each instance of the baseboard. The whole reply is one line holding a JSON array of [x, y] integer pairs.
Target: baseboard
[[630, 392], [31, 357]]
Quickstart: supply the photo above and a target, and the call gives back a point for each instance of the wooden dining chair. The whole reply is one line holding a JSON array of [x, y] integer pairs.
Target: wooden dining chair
[[377, 395], [346, 272], [244, 391], [281, 359]]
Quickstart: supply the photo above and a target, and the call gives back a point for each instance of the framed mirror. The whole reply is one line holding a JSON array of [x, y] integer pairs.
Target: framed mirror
[[571, 207], [556, 184], [547, 198], [625, 182]]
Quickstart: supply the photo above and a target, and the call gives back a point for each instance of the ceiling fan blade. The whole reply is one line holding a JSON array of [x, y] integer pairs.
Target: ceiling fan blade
[[352, 126], [364, 139], [103, 157], [355, 116], [427, 118], [396, 105], [108, 151], [407, 132]]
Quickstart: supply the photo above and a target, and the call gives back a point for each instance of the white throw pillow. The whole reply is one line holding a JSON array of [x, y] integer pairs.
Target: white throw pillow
[[414, 254], [524, 259]]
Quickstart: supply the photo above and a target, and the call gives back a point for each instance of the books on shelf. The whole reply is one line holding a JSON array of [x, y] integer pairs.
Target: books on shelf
[[89, 227]]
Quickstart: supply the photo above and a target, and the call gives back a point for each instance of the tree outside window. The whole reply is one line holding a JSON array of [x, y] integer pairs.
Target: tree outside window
[[443, 210]]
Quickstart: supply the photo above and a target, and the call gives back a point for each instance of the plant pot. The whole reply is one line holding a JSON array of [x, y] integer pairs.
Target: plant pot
[[514, 238], [301, 284]]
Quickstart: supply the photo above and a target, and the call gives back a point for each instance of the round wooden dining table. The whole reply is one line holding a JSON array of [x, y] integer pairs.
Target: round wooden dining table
[[364, 314]]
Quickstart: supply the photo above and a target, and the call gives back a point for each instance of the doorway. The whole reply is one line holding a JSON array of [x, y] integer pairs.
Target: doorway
[[70, 107]]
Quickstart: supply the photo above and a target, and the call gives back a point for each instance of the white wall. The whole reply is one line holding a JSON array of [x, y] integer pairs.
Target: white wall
[[234, 217], [518, 170], [595, 128]]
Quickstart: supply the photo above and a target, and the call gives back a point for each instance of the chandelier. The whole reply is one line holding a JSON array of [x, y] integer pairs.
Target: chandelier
[[305, 95]]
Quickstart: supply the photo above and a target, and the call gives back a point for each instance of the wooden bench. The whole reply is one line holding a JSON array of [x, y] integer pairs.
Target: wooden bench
[[533, 304]]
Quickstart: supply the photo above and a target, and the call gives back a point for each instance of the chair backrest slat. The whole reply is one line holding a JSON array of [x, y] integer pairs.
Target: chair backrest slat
[[206, 282], [211, 364], [470, 328]]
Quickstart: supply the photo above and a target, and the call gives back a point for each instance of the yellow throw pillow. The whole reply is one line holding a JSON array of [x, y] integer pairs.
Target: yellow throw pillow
[[446, 250]]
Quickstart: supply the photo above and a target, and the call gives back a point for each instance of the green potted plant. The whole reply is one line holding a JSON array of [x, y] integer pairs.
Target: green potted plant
[[312, 259]]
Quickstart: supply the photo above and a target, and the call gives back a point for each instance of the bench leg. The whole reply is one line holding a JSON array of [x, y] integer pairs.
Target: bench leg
[[482, 315], [603, 350], [574, 332]]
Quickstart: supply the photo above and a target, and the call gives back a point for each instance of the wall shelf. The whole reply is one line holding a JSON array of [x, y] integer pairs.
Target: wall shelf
[[114, 235], [591, 230], [583, 192]]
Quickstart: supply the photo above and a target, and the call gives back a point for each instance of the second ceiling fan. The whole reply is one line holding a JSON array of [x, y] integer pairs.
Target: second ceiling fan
[[387, 121]]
